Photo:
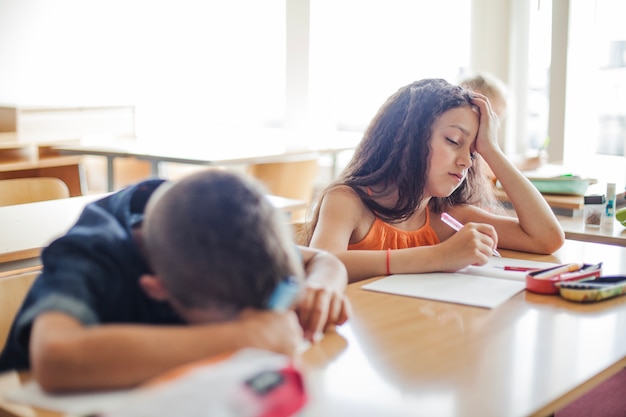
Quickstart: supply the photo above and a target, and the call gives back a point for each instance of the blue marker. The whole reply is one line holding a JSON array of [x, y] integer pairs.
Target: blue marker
[[284, 294]]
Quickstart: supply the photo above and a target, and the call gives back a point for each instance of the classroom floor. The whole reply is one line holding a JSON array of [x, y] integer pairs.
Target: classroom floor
[[606, 400]]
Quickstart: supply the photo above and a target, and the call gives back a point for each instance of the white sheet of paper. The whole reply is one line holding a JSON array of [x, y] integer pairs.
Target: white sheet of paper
[[79, 404], [203, 389], [486, 286], [495, 268]]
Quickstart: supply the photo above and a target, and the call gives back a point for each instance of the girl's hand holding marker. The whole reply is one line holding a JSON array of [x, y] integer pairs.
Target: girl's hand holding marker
[[456, 225]]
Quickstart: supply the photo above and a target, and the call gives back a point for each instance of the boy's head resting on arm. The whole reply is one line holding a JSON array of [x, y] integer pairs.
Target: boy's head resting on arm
[[216, 245]]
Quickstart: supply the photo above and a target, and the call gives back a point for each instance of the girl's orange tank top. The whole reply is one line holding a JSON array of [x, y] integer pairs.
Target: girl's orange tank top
[[382, 236]]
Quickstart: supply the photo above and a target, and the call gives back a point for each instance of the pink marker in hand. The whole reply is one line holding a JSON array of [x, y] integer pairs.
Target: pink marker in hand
[[457, 225]]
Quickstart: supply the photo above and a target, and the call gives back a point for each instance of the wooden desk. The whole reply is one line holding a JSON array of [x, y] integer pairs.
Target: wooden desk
[[28, 228], [571, 204], [20, 159], [528, 357], [402, 356], [226, 148], [611, 232]]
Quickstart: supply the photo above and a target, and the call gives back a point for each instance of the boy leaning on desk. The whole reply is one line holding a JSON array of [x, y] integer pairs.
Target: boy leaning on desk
[[208, 251]]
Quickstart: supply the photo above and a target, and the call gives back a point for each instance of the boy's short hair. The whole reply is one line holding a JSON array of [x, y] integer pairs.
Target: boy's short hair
[[214, 239]]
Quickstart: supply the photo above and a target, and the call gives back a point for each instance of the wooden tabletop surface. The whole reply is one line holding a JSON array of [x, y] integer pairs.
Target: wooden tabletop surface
[[403, 356]]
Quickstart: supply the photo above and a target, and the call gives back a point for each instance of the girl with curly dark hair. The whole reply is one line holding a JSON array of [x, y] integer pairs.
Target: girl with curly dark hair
[[421, 156]]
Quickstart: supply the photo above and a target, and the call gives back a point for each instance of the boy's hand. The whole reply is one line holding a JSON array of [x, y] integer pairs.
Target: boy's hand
[[272, 330], [320, 308]]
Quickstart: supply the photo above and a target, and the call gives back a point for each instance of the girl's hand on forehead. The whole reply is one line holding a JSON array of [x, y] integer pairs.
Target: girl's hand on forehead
[[488, 124]]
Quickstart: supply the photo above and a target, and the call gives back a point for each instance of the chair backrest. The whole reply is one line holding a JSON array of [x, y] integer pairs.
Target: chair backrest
[[13, 290], [126, 171], [299, 229], [29, 190], [291, 179]]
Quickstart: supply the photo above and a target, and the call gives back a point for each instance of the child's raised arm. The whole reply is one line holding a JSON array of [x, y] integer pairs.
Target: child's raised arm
[[536, 228]]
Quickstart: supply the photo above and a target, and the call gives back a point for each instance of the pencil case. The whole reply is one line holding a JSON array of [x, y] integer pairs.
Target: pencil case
[[541, 281], [593, 289]]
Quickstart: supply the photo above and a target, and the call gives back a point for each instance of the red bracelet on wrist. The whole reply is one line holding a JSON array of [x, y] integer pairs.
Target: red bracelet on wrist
[[388, 261]]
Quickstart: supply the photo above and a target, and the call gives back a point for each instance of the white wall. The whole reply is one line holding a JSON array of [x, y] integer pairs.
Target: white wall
[[174, 59]]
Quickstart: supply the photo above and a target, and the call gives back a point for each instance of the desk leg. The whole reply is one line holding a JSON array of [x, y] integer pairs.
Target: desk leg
[[334, 168], [154, 168], [110, 174]]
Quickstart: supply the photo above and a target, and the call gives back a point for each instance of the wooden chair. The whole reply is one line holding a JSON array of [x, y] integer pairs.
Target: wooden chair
[[13, 290], [126, 171], [291, 179], [29, 190], [299, 229]]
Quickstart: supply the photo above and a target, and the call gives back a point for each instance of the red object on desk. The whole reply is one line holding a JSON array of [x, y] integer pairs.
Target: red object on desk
[[546, 285], [519, 268]]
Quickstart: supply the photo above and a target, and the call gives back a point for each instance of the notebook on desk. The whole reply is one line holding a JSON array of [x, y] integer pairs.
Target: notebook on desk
[[484, 286]]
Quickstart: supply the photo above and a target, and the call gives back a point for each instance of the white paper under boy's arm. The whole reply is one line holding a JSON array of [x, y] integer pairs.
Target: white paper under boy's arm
[[210, 385], [82, 404], [208, 390]]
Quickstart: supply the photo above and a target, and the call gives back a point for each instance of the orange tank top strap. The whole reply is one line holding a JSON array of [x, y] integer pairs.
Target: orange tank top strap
[[383, 236]]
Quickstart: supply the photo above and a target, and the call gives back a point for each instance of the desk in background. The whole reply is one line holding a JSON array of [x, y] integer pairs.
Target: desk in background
[[564, 205], [220, 149], [402, 356], [611, 232], [28, 132], [573, 224], [21, 159], [28, 228]]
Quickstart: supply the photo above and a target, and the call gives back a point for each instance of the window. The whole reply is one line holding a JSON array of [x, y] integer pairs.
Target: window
[[595, 124], [540, 17], [589, 58], [611, 66], [362, 51], [186, 65]]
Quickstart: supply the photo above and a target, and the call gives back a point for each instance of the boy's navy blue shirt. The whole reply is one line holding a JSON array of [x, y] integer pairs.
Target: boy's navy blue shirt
[[92, 274]]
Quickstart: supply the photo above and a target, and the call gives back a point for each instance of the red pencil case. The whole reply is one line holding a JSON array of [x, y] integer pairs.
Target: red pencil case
[[545, 284]]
